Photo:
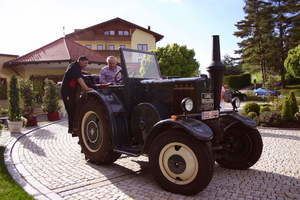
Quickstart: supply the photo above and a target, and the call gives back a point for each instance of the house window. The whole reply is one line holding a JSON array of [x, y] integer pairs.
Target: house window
[[122, 46], [109, 32], [88, 46], [111, 47], [142, 47], [125, 32], [100, 47], [120, 32]]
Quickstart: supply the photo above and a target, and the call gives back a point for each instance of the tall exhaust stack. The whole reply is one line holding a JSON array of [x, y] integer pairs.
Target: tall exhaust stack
[[216, 72]]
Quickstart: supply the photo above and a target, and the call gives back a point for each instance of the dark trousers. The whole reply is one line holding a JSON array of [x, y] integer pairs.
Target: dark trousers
[[70, 106]]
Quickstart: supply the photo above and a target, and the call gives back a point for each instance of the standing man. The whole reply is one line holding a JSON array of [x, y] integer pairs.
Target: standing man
[[71, 81], [108, 72]]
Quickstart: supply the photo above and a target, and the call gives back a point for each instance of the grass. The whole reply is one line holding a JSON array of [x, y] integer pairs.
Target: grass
[[289, 88], [9, 190]]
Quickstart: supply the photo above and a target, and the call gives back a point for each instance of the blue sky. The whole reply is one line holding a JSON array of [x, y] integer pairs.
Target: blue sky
[[28, 25]]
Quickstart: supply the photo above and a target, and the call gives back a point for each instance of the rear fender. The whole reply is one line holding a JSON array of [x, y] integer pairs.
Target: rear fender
[[114, 110], [231, 119], [193, 127]]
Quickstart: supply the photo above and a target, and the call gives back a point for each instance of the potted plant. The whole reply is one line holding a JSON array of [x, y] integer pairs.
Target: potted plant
[[50, 100], [14, 114], [28, 99]]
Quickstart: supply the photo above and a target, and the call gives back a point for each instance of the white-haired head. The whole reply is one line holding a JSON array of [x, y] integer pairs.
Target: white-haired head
[[111, 58]]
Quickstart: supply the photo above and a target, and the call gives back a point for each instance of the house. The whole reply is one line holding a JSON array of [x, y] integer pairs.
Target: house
[[107, 37], [96, 42]]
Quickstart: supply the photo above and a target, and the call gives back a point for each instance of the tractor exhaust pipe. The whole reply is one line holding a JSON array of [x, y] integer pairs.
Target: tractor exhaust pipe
[[216, 72]]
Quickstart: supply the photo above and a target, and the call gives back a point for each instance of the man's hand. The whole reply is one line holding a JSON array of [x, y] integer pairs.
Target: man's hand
[[88, 89]]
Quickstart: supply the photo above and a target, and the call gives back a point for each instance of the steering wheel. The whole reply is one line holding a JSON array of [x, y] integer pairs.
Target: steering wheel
[[116, 77]]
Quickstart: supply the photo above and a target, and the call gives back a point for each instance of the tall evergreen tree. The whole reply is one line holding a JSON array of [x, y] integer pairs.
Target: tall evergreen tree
[[256, 30], [286, 16]]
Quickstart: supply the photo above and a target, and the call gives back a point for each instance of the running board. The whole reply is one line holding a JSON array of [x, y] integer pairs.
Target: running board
[[129, 152]]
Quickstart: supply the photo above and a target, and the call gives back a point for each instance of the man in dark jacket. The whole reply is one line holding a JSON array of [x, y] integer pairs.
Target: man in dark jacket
[[71, 81]]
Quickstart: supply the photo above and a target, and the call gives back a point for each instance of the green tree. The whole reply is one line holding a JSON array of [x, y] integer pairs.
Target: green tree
[[232, 66], [256, 32], [176, 60], [292, 62], [26, 91], [286, 17], [51, 97], [14, 100]]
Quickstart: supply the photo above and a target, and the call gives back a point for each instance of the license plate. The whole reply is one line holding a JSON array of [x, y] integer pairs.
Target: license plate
[[209, 114]]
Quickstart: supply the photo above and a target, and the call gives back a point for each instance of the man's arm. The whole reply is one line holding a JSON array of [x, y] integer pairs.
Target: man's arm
[[83, 85]]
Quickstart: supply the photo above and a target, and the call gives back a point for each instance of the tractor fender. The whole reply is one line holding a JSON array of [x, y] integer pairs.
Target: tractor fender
[[112, 105], [235, 119], [191, 126]]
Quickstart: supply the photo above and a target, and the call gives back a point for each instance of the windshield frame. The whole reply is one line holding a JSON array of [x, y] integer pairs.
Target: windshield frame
[[124, 67]]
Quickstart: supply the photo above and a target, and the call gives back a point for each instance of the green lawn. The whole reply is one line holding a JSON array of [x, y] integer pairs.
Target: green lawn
[[9, 190], [294, 88]]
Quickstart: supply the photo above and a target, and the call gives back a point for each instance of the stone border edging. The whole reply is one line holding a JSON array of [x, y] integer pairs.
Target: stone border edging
[[21, 175]]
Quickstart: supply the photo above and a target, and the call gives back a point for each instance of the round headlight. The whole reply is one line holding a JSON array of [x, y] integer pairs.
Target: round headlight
[[187, 104]]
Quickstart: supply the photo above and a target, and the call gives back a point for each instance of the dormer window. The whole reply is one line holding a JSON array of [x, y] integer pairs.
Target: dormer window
[[109, 32], [88, 46], [123, 32]]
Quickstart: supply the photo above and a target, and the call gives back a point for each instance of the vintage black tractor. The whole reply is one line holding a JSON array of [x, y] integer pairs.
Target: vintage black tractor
[[176, 122]]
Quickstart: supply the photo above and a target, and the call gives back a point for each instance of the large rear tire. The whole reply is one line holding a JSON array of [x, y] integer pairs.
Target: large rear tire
[[242, 148], [95, 134], [180, 163]]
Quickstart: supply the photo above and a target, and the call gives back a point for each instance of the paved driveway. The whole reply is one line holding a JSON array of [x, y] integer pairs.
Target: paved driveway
[[48, 164]]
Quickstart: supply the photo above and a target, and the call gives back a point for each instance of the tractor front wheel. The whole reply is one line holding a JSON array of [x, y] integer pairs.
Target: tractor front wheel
[[181, 163]]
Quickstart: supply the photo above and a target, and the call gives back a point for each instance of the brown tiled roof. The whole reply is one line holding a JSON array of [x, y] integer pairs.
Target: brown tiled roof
[[8, 55], [62, 49], [156, 35]]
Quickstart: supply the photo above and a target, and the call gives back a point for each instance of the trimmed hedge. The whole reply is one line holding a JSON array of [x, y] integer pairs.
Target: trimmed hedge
[[238, 81], [251, 107]]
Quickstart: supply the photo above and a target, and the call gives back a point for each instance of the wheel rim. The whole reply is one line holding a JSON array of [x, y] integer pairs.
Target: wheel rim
[[91, 132], [178, 163]]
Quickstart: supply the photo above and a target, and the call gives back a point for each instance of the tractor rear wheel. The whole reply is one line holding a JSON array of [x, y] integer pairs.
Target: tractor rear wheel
[[95, 133], [242, 148]]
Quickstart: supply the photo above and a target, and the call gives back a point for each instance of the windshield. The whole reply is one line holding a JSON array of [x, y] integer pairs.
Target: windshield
[[141, 65]]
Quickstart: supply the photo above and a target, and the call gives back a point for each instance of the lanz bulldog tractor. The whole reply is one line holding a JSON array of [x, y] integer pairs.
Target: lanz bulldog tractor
[[176, 122]]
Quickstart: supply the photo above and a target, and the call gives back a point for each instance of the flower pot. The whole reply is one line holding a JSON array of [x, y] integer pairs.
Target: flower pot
[[53, 116], [15, 126], [31, 120]]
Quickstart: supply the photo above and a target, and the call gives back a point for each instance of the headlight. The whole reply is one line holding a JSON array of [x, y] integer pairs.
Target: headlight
[[187, 104]]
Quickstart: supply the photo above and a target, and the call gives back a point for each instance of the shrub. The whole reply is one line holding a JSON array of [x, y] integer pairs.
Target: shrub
[[3, 89], [3, 112], [264, 109], [297, 116], [251, 107], [293, 102], [51, 97], [270, 118], [286, 111], [14, 100], [1, 126], [238, 81], [252, 115], [289, 107], [27, 97]]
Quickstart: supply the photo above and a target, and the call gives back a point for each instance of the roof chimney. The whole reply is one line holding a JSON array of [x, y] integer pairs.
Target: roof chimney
[[76, 30], [149, 28]]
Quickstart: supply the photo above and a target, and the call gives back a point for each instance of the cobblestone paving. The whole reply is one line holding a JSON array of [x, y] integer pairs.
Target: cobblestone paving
[[52, 158]]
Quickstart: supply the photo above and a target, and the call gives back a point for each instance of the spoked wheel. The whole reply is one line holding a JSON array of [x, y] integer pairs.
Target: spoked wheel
[[95, 134], [242, 148], [181, 164]]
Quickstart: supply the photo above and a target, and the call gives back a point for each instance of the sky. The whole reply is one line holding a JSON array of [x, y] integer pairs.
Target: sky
[[30, 24]]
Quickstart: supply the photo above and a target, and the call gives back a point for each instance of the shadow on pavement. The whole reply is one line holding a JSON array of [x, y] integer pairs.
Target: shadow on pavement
[[30, 145], [233, 183]]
